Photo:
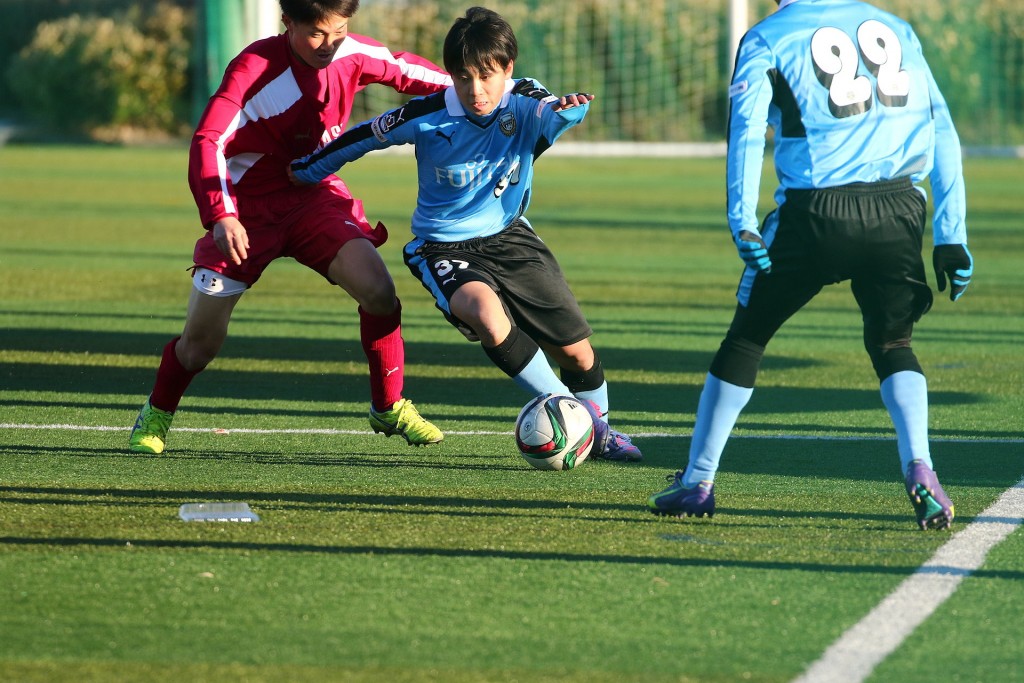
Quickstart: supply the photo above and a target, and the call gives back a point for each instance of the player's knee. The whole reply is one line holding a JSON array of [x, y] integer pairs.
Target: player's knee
[[892, 358], [487, 332], [196, 351], [584, 380], [737, 361], [376, 297], [359, 270], [478, 308]]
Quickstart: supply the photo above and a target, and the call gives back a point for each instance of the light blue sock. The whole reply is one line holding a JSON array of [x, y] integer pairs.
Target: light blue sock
[[538, 378], [905, 395], [719, 407], [598, 396]]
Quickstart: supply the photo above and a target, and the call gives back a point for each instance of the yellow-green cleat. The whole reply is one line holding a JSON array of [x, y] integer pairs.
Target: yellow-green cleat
[[150, 430], [403, 419]]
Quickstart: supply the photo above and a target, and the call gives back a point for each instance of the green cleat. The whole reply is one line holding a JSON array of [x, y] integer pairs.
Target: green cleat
[[150, 430], [403, 419]]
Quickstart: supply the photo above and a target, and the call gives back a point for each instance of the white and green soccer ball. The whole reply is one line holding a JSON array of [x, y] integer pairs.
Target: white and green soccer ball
[[554, 432]]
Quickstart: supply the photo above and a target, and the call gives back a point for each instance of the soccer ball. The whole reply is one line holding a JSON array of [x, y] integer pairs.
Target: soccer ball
[[554, 432]]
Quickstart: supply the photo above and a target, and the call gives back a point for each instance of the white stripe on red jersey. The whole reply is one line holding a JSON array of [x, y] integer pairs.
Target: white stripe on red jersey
[[271, 108]]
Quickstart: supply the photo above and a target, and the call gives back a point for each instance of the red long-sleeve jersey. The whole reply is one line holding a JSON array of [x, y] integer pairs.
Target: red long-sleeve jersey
[[272, 108]]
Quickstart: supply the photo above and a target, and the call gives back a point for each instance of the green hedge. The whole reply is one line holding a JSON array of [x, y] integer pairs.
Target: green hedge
[[89, 74]]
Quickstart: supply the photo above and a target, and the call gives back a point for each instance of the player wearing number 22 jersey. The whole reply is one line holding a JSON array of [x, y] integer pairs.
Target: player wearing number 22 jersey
[[474, 249], [850, 97], [858, 122]]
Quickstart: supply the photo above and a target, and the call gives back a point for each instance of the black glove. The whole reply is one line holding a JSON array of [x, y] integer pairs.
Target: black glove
[[753, 251], [955, 262]]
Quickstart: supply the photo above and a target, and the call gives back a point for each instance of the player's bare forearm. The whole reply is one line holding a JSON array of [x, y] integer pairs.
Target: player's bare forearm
[[574, 100]]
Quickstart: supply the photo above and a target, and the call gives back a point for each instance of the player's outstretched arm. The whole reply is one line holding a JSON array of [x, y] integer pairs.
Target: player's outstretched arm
[[574, 100], [353, 144]]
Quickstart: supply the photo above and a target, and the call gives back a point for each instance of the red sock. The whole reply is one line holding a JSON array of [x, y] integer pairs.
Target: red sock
[[172, 379], [381, 336]]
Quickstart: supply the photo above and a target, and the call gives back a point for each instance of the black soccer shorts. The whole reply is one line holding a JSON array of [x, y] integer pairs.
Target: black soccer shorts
[[518, 266], [868, 233]]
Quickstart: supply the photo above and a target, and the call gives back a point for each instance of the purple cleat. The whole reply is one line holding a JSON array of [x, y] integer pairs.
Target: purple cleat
[[679, 501], [933, 507], [608, 443], [620, 448]]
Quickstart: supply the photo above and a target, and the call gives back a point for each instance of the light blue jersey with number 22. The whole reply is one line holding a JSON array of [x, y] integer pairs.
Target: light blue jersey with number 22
[[850, 97]]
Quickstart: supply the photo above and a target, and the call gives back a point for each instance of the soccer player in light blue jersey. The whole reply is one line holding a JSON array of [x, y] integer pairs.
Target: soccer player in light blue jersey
[[474, 249], [858, 122]]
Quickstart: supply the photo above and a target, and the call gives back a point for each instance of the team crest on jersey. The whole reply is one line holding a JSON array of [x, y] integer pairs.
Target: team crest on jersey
[[385, 122], [507, 123]]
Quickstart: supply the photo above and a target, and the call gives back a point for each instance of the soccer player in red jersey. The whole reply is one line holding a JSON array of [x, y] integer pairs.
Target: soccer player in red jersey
[[281, 98]]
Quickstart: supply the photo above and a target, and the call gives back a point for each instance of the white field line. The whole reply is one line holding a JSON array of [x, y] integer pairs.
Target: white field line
[[635, 435], [854, 656], [220, 430]]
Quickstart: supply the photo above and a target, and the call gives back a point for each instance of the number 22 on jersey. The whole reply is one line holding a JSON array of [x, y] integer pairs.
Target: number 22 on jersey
[[837, 61]]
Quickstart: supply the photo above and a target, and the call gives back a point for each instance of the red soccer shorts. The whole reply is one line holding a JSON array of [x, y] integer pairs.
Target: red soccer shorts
[[309, 224]]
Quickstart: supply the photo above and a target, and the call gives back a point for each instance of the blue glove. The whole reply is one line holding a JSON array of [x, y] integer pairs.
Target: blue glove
[[753, 251], [956, 263]]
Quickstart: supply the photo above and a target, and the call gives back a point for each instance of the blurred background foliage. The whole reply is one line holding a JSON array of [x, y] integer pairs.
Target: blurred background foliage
[[102, 68], [96, 68]]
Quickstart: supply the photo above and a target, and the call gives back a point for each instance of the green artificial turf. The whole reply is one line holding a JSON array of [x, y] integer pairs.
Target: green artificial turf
[[373, 561]]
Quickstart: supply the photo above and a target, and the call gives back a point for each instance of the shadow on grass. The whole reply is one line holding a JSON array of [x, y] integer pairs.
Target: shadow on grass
[[482, 553], [90, 380], [747, 459], [434, 506], [408, 458], [673, 404], [456, 353]]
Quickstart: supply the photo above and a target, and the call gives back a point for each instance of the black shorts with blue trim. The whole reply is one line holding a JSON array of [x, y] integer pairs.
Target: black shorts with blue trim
[[517, 265], [868, 233]]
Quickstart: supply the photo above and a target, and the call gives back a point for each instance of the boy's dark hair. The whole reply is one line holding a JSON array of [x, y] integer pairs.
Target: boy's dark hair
[[480, 39], [312, 11]]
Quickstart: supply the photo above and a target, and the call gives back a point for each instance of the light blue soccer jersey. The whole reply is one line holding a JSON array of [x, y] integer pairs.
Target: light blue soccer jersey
[[850, 98], [474, 174]]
